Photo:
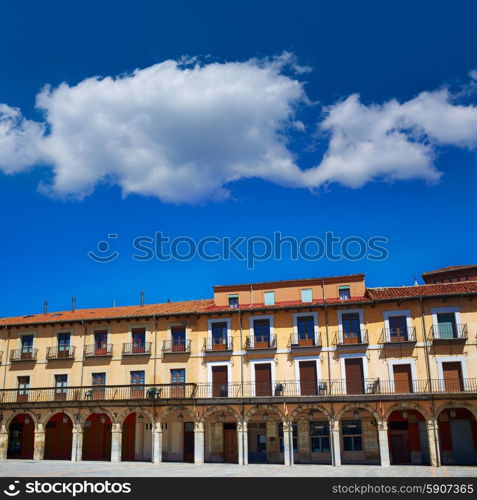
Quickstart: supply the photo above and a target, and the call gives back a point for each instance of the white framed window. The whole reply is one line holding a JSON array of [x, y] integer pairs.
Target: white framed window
[[218, 329], [452, 359], [269, 298], [344, 292], [446, 322], [402, 361], [253, 364], [210, 379], [233, 301], [320, 386], [252, 320], [364, 364], [349, 325], [296, 320], [307, 295]]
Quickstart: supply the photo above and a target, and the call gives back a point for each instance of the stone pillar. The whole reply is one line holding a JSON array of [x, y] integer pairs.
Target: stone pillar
[[3, 442], [116, 442], [288, 443], [242, 438], [304, 450], [77, 444], [157, 443], [199, 442], [39, 442], [433, 440], [383, 444], [335, 436]]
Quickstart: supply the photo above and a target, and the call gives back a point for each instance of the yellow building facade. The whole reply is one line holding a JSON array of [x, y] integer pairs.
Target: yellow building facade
[[318, 370]]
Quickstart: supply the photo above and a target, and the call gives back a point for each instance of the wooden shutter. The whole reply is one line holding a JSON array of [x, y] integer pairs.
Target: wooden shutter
[[452, 376], [263, 380], [219, 381], [307, 378], [402, 378], [354, 376]]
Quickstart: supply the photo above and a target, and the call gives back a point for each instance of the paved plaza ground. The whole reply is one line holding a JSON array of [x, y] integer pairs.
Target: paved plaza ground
[[60, 468]]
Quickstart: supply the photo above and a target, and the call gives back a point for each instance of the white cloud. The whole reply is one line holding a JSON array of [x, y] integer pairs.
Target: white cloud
[[183, 132]]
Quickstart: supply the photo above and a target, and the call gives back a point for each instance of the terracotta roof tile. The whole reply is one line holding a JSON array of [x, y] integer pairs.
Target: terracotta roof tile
[[449, 268], [455, 288]]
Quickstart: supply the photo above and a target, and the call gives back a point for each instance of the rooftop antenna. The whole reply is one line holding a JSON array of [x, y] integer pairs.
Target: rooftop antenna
[[142, 297], [73, 304], [169, 300], [416, 283], [45, 307], [114, 303]]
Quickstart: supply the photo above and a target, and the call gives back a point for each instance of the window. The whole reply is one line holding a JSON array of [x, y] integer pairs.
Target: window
[[344, 292], [306, 330], [351, 328], [27, 347], [261, 331], [137, 384], [307, 295], [446, 326], [138, 340], [320, 436], [398, 328], [178, 377], [100, 341], [178, 334], [352, 438], [99, 380], [23, 386], [63, 344], [219, 334], [269, 298], [295, 436], [61, 382], [233, 301]]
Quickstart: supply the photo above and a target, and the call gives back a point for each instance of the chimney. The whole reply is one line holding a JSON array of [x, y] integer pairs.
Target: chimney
[[45, 307], [142, 297], [169, 300], [73, 304]]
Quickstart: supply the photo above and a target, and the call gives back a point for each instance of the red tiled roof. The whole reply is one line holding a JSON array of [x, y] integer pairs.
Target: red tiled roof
[[190, 306], [456, 288], [449, 268]]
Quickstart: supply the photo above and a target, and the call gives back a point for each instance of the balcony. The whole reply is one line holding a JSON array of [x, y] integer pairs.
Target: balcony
[[320, 391], [357, 338], [218, 345], [398, 335], [179, 346], [95, 351], [259, 343], [23, 354], [64, 352], [303, 343], [449, 332], [137, 349]]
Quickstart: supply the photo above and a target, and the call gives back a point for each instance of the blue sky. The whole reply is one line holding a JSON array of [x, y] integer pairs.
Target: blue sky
[[379, 50]]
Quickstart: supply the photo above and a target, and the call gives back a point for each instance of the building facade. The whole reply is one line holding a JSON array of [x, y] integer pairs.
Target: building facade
[[318, 370]]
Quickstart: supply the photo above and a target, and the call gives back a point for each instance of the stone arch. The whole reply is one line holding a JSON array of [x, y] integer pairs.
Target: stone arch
[[123, 415], [45, 418], [172, 409], [406, 406], [259, 408], [310, 406], [359, 406], [213, 409], [456, 404], [12, 415], [84, 416]]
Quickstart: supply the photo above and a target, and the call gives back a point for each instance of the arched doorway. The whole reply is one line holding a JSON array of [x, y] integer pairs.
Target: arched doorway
[[359, 437], [136, 438], [97, 437], [21, 436], [58, 437], [407, 433], [458, 436], [221, 443]]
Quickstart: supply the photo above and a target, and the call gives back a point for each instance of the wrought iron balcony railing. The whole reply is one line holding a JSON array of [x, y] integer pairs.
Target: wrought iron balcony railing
[[178, 346], [23, 354], [448, 331], [398, 335], [259, 342], [214, 345], [137, 349], [356, 337], [60, 352], [320, 390], [97, 351], [300, 341]]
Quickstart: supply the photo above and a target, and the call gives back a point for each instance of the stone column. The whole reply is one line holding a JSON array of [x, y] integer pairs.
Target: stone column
[[383, 444], [157, 443], [3, 442], [116, 442], [39, 442], [199, 442], [336, 448], [432, 437], [288, 443], [242, 439], [304, 449], [77, 444]]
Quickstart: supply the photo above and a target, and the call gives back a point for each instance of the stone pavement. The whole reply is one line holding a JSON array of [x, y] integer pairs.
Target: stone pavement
[[58, 468]]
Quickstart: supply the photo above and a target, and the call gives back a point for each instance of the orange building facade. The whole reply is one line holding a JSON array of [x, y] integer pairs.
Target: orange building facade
[[321, 370]]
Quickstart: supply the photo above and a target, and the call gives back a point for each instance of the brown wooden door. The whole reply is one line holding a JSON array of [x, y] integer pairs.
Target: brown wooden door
[[452, 376], [230, 443], [219, 382], [308, 386], [188, 441], [402, 378], [354, 376], [400, 448], [263, 380]]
